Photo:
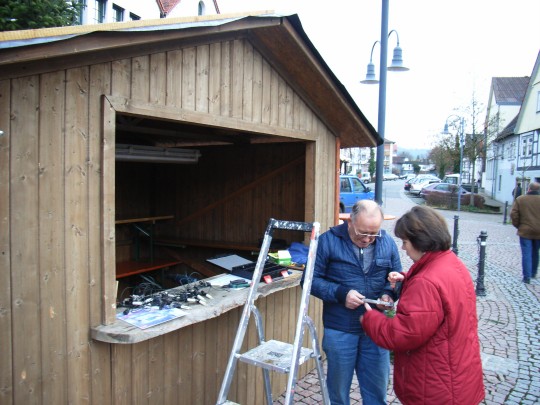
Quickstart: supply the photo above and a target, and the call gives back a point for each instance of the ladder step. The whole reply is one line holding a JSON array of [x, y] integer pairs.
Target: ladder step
[[274, 355]]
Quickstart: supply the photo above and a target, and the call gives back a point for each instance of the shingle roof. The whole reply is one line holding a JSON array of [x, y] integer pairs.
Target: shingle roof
[[165, 6], [510, 90], [508, 130], [281, 39]]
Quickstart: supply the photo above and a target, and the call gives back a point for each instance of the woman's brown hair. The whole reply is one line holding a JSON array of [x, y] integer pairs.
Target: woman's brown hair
[[425, 228]]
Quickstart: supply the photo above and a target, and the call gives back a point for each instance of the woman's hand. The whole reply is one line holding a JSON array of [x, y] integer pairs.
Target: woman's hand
[[385, 298], [368, 308], [395, 277]]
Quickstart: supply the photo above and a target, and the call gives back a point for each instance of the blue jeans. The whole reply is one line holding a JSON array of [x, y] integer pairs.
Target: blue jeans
[[346, 353], [529, 256]]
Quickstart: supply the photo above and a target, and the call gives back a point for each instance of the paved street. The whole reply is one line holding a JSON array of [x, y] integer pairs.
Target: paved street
[[509, 321]]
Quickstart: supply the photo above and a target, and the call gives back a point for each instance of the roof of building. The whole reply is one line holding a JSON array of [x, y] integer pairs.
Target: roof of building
[[281, 39], [509, 90], [166, 6], [508, 130]]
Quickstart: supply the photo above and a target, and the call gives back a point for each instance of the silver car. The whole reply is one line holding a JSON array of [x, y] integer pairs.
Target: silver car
[[419, 183]]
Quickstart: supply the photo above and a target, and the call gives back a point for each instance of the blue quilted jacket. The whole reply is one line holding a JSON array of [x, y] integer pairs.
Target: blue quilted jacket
[[339, 270]]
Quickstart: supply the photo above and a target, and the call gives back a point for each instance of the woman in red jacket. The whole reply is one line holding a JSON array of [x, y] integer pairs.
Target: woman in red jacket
[[434, 334]]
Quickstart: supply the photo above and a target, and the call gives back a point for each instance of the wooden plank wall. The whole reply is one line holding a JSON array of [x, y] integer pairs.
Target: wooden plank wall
[[50, 233]]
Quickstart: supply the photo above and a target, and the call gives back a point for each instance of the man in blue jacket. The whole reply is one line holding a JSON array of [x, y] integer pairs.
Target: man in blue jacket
[[353, 262]]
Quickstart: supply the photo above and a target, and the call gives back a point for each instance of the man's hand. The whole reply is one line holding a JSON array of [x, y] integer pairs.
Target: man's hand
[[354, 299]]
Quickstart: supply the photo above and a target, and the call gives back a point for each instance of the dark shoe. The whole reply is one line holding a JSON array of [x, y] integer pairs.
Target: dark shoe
[[527, 280]]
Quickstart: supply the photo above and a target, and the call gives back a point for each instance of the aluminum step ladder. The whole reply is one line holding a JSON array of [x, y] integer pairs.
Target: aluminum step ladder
[[274, 355]]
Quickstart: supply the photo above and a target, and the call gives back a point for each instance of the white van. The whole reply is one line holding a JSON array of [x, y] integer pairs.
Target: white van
[[365, 177], [451, 178]]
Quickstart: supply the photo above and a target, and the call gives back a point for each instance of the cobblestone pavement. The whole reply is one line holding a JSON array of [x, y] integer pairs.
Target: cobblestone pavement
[[509, 321]]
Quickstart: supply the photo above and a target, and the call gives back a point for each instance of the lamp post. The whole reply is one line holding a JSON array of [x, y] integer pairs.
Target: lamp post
[[397, 65], [461, 134]]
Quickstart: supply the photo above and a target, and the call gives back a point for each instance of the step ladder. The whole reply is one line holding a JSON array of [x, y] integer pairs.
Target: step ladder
[[274, 355]]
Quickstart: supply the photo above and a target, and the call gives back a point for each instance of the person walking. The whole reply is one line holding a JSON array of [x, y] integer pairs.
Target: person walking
[[434, 333], [525, 216], [353, 262], [516, 192]]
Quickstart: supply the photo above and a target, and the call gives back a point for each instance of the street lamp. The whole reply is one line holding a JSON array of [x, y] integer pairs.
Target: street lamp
[[397, 65], [461, 134]]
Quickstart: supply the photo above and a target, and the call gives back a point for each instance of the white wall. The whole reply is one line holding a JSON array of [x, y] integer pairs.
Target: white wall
[[191, 8], [146, 9]]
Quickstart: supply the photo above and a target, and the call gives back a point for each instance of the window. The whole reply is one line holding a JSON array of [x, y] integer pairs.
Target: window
[[538, 102], [345, 186], [99, 11], [512, 150], [527, 145], [358, 186], [134, 17], [201, 8], [80, 17], [118, 13]]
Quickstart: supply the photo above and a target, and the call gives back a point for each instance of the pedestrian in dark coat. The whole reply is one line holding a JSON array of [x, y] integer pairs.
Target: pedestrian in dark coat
[[516, 192], [525, 216]]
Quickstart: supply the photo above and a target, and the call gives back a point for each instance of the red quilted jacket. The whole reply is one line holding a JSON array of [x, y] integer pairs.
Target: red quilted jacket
[[434, 334]]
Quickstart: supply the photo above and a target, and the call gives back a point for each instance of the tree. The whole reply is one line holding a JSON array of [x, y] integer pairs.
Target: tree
[[441, 158], [473, 147], [371, 168], [445, 153], [32, 14]]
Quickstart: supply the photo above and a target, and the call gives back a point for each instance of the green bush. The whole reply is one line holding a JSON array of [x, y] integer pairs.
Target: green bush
[[449, 201], [33, 14]]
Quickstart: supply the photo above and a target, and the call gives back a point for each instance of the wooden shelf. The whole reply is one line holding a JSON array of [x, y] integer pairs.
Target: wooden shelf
[[129, 268], [145, 219], [208, 244]]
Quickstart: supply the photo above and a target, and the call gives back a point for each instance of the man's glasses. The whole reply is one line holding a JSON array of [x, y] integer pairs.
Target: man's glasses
[[360, 235]]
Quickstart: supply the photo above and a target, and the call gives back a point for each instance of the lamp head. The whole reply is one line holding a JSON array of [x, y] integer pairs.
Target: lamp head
[[445, 130], [397, 61], [370, 76]]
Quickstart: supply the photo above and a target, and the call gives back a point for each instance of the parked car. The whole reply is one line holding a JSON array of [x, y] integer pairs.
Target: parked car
[[446, 189], [418, 185], [351, 190], [365, 177], [410, 176], [417, 178], [407, 185], [390, 176]]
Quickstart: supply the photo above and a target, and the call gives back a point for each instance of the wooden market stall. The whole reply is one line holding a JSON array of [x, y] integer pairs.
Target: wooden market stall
[[145, 148]]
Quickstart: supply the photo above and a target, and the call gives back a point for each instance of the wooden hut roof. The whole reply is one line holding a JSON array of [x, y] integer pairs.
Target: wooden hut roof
[[280, 38]]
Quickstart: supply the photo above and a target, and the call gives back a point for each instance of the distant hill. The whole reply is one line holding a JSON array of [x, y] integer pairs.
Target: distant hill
[[422, 153]]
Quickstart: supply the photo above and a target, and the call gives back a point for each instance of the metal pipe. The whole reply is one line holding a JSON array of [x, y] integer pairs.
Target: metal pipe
[[461, 140], [456, 234], [379, 168], [480, 289]]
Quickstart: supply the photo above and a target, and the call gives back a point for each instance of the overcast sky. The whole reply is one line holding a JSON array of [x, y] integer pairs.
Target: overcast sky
[[453, 49]]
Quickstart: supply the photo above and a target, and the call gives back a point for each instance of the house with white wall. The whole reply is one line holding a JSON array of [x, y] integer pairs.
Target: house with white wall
[[505, 98], [108, 11], [528, 132], [514, 154]]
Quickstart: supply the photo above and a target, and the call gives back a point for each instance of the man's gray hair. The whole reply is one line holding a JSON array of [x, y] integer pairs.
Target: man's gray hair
[[368, 207], [534, 186]]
